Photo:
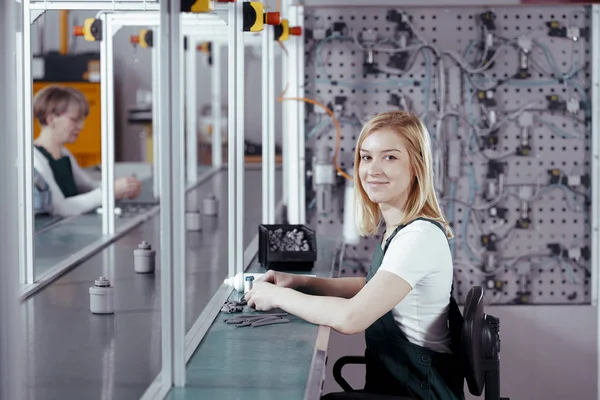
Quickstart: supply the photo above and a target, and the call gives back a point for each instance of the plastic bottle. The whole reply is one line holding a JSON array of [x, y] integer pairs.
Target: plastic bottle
[[237, 282], [144, 258], [102, 297]]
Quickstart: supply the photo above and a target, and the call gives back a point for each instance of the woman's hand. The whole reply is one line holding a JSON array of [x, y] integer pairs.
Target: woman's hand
[[127, 188], [263, 296], [281, 279]]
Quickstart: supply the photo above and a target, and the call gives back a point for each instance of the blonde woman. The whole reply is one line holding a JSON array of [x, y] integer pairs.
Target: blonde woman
[[404, 303], [61, 112]]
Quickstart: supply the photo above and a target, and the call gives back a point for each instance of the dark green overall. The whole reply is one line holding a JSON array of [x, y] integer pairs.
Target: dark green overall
[[396, 366], [63, 173]]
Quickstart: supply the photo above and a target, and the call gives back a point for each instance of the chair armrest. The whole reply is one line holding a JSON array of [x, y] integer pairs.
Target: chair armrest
[[337, 370]]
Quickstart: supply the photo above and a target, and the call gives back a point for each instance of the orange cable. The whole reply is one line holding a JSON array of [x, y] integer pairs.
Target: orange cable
[[337, 128], [331, 114]]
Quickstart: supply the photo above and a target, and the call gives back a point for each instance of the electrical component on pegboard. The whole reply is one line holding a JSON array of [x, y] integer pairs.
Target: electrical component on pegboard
[[525, 122], [399, 60], [525, 44], [323, 179], [555, 29], [339, 28], [497, 212], [488, 19], [524, 221], [523, 295], [494, 284], [144, 38], [339, 105], [574, 253], [255, 17], [91, 30], [402, 21], [494, 176], [557, 177], [368, 39], [489, 241], [283, 31], [490, 262], [572, 106], [400, 101], [487, 97], [200, 6]]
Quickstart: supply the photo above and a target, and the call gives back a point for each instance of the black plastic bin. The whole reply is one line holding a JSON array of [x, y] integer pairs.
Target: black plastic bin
[[302, 260]]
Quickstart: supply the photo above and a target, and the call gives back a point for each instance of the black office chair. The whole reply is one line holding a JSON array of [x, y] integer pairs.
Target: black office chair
[[480, 352]]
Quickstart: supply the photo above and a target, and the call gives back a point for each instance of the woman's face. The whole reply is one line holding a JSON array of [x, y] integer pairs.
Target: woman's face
[[384, 168], [67, 126]]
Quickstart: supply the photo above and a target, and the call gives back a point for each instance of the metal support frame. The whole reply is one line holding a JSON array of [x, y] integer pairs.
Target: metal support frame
[[294, 153], [236, 140], [25, 148], [216, 107], [12, 25], [191, 115], [156, 106], [268, 127], [107, 97], [172, 215]]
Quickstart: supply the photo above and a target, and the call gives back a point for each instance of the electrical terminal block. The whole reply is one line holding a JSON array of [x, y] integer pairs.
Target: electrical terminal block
[[497, 212], [489, 242]]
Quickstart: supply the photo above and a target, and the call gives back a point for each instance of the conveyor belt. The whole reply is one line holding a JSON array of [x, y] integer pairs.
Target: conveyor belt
[[73, 354], [266, 363]]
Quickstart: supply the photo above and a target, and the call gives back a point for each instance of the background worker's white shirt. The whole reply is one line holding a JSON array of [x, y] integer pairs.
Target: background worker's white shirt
[[91, 194], [420, 254]]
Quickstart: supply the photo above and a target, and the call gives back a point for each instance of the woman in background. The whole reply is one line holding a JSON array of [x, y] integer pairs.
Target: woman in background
[[61, 112]]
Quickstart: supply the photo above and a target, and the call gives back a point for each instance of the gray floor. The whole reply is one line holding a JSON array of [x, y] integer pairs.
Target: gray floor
[[73, 354]]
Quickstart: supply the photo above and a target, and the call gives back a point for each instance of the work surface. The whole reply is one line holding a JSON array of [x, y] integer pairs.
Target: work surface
[[74, 354], [268, 362]]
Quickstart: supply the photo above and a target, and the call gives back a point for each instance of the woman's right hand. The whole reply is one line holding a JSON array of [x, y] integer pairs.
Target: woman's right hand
[[127, 188], [282, 279]]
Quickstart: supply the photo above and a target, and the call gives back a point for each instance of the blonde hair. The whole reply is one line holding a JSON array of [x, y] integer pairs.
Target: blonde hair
[[421, 200], [55, 100]]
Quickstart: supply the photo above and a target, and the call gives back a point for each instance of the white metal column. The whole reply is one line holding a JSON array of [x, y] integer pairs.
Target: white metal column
[[13, 18], [236, 140], [268, 127], [25, 142], [297, 14], [294, 124], [156, 127], [172, 210], [107, 125], [191, 115], [217, 141]]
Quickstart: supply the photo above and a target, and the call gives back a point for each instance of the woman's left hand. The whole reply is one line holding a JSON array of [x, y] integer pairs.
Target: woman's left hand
[[263, 296]]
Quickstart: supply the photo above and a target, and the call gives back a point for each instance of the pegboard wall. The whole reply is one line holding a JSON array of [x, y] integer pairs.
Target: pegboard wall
[[504, 94]]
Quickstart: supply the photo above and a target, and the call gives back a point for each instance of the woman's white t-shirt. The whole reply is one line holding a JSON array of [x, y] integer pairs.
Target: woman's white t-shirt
[[420, 254]]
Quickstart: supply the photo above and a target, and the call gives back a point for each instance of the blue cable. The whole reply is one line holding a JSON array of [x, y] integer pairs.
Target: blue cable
[[561, 132]]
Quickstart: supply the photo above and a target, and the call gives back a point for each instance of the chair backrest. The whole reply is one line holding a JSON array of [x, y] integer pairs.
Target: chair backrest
[[472, 341]]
